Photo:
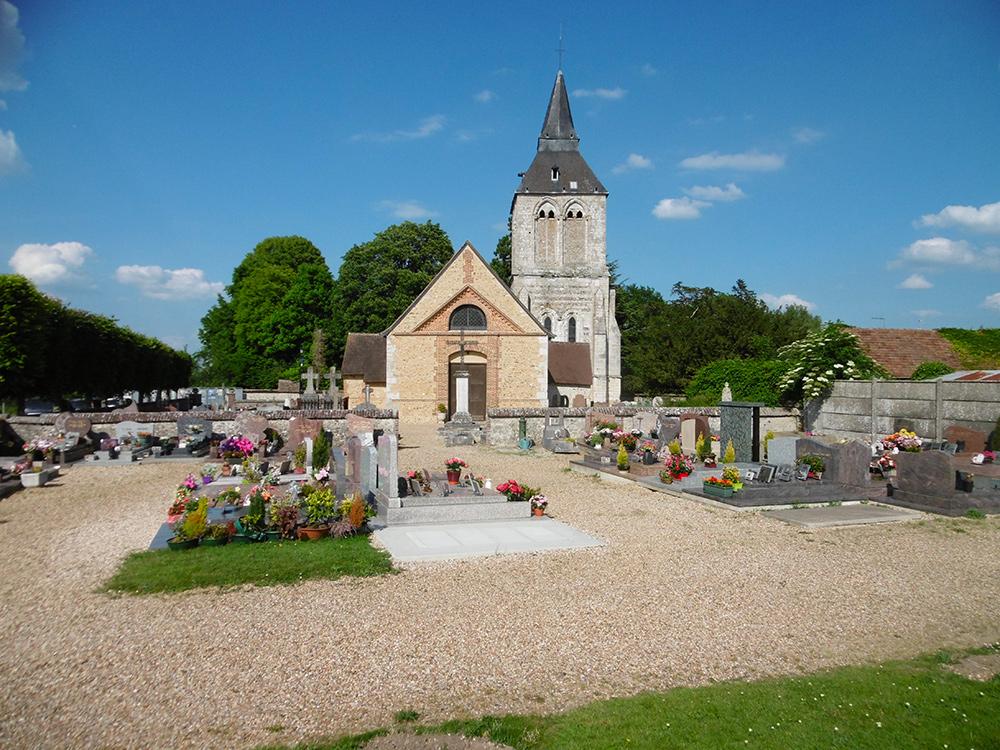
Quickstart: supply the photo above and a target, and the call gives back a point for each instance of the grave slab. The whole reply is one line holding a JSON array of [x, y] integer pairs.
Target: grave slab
[[455, 541], [841, 515]]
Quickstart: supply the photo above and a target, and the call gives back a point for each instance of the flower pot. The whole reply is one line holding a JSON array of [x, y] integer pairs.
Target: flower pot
[[667, 479], [737, 486], [241, 539], [273, 535], [213, 542], [525, 443], [454, 475], [175, 544], [313, 532], [538, 512], [717, 491], [648, 458], [299, 470], [207, 479], [682, 475]]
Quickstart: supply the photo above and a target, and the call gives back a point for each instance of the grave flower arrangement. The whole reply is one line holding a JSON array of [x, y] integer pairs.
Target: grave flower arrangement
[[719, 482], [731, 474], [455, 464], [257, 491], [648, 446], [191, 482], [284, 513], [882, 464], [209, 473], [538, 504], [904, 440], [678, 466], [322, 475], [515, 491], [236, 446], [40, 447], [719, 487], [628, 440], [815, 463]]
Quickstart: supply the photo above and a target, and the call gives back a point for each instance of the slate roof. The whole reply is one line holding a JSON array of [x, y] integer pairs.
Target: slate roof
[[569, 363], [364, 356], [559, 147], [901, 350]]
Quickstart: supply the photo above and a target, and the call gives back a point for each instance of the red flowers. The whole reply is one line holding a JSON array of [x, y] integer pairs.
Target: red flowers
[[716, 482]]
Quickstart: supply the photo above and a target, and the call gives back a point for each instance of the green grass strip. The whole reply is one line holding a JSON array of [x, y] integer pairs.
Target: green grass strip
[[910, 705], [262, 564]]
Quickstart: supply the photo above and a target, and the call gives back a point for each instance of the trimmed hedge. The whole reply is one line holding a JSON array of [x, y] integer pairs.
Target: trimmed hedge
[[50, 350], [749, 380]]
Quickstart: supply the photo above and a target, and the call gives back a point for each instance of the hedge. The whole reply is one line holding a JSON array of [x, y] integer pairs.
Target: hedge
[[749, 380]]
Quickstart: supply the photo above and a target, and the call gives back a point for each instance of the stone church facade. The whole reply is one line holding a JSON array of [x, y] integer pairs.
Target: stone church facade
[[559, 248], [549, 339]]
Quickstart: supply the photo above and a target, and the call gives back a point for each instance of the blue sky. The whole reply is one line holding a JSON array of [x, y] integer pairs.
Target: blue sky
[[847, 157]]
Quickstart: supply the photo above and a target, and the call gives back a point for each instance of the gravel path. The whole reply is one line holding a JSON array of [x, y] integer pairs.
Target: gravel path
[[682, 594]]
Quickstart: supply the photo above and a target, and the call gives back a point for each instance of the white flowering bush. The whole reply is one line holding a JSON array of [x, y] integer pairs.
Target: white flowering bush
[[832, 353]]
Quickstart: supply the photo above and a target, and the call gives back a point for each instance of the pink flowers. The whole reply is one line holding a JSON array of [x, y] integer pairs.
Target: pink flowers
[[455, 464], [678, 466], [236, 446], [191, 482]]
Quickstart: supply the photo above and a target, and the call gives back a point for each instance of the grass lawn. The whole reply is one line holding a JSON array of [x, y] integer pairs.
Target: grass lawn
[[262, 564], [899, 705]]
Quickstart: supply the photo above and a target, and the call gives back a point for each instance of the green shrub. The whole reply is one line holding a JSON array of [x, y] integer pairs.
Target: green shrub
[[931, 370], [321, 450], [820, 358], [749, 379], [976, 349]]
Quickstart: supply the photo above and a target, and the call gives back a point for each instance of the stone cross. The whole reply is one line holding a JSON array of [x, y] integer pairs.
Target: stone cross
[[310, 378], [334, 390], [367, 390], [461, 346]]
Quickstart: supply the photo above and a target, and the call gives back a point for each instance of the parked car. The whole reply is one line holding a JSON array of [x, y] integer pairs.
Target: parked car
[[35, 406]]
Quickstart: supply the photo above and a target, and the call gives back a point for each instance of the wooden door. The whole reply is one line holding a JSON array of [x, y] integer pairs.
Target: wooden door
[[477, 389]]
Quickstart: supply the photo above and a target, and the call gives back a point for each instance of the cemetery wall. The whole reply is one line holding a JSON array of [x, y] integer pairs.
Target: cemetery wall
[[867, 409], [502, 424], [164, 424]]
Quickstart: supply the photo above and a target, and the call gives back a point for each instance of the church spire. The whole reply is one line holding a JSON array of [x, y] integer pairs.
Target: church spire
[[558, 133]]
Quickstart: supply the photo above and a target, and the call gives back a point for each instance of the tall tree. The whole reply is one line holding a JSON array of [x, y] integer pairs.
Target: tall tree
[[380, 278], [501, 262], [281, 293]]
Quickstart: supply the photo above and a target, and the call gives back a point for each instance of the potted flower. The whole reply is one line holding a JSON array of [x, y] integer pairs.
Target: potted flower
[[666, 477], [217, 535], [191, 528], [538, 505], [648, 451], [236, 447], [209, 473], [284, 518], [442, 412], [252, 525], [454, 468], [320, 507], [299, 459], [719, 487], [678, 466], [629, 440], [176, 510], [40, 449], [815, 463], [732, 475], [515, 491], [622, 459]]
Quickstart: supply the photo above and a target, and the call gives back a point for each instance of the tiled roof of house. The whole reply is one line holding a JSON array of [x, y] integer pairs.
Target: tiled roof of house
[[901, 350], [364, 356]]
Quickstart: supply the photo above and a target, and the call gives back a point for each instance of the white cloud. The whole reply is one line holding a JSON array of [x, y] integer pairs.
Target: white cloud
[[786, 300], [808, 135], [11, 158], [427, 127], [731, 192], [915, 281], [648, 70], [11, 49], [406, 209], [616, 93], [938, 250], [164, 283], [992, 301], [49, 264], [753, 161], [634, 161], [485, 96], [983, 219], [679, 208]]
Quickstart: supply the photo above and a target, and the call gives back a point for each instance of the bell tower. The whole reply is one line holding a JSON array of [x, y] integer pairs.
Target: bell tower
[[559, 247]]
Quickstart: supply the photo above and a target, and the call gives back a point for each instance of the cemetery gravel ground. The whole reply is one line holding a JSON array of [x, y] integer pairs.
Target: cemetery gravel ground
[[681, 595]]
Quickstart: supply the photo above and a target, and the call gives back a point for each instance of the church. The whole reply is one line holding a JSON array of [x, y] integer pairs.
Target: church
[[549, 339]]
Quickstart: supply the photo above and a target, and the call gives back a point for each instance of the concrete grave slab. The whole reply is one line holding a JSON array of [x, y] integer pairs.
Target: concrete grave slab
[[454, 541], [841, 515]]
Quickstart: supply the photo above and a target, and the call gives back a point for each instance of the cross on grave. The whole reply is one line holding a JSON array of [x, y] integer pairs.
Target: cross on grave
[[367, 390], [334, 389], [310, 378]]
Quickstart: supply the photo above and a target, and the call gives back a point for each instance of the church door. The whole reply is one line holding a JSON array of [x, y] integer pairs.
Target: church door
[[477, 389]]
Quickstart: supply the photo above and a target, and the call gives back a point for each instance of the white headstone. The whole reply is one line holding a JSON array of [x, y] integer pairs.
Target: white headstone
[[727, 393], [462, 393], [689, 437]]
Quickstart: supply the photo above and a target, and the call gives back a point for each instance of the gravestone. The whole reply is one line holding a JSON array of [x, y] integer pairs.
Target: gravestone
[[689, 435], [341, 472], [646, 421], [70, 422], [130, 430], [781, 450], [740, 422], [579, 401], [925, 473], [369, 472], [353, 450], [667, 428], [356, 424], [388, 469], [308, 441], [250, 425], [973, 441], [846, 463], [191, 426], [300, 428]]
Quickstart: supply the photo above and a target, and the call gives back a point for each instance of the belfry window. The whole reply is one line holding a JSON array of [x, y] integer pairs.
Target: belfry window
[[555, 174], [468, 318], [571, 330], [547, 323]]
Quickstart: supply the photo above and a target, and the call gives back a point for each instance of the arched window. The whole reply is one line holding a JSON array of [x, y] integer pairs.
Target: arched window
[[468, 318], [571, 330], [579, 214], [555, 174], [547, 322], [552, 214]]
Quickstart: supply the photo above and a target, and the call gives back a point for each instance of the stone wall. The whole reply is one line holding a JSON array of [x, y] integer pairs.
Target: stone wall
[[502, 424], [866, 409], [164, 424]]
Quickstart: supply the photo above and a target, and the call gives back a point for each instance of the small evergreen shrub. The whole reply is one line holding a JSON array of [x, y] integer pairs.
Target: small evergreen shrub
[[321, 450], [931, 370], [729, 456]]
